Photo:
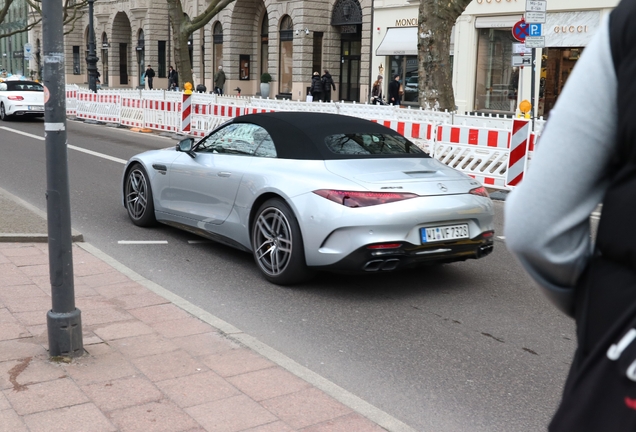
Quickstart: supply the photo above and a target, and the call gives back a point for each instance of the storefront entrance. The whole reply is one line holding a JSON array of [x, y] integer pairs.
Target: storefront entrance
[[557, 65], [123, 64], [350, 52]]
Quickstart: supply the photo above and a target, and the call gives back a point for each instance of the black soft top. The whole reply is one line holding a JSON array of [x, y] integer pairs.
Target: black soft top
[[301, 135], [23, 86]]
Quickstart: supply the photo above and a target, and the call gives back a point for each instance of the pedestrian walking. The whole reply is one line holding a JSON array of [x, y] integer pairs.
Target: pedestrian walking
[[150, 75], [173, 79], [219, 81], [395, 98], [586, 157], [327, 86], [316, 88]]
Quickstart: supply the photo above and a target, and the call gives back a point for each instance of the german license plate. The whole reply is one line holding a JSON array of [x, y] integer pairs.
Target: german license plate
[[36, 108], [450, 232]]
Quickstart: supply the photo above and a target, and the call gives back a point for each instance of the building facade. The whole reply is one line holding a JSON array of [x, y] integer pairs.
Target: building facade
[[482, 49], [288, 39], [12, 47], [484, 77]]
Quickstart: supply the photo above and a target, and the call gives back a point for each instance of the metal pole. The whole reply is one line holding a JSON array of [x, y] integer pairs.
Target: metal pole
[[520, 91], [91, 59], [534, 66], [64, 319]]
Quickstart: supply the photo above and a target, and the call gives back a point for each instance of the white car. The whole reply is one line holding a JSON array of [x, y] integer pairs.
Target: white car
[[19, 98]]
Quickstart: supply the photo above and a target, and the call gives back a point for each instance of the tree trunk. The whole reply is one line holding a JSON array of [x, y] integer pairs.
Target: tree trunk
[[436, 21], [180, 38]]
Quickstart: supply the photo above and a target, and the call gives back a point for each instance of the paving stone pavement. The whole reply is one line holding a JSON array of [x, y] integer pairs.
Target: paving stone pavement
[[152, 362]]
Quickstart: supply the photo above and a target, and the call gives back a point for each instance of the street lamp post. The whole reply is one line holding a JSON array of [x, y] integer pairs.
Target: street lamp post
[[64, 320], [91, 59]]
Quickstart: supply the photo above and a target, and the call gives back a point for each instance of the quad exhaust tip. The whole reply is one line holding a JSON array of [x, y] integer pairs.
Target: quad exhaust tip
[[381, 265]]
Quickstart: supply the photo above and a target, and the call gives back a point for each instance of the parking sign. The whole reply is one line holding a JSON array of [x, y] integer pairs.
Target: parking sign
[[535, 30]]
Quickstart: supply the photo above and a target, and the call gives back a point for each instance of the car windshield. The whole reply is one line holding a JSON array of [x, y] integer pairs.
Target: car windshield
[[24, 86], [371, 144]]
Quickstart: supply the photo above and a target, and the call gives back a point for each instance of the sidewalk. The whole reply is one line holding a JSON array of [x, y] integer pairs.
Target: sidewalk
[[153, 361]]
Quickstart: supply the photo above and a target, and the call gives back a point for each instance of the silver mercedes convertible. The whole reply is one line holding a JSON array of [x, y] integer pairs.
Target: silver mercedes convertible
[[310, 191]]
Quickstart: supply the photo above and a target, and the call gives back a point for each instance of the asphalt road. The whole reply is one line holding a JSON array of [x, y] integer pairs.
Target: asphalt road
[[469, 346]]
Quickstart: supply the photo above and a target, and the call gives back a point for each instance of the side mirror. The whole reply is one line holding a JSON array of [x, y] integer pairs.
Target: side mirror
[[3, 87], [185, 146]]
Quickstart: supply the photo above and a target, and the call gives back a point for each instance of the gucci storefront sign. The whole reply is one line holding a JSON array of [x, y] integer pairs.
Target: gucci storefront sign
[[570, 29]]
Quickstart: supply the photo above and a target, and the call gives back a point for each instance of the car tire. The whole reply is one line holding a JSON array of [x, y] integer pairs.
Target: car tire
[[277, 244], [138, 197], [3, 113]]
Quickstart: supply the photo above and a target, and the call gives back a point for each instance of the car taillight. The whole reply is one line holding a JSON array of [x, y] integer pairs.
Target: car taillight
[[362, 199], [384, 246], [15, 98], [480, 191]]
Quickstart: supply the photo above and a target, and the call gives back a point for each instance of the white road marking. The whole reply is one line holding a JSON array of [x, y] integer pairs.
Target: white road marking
[[501, 237], [133, 242], [72, 147]]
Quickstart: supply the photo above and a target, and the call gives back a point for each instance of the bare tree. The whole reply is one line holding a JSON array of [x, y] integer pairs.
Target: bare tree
[[73, 11], [182, 28], [436, 21]]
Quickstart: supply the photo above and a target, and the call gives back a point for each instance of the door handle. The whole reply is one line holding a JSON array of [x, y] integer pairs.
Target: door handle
[[224, 174]]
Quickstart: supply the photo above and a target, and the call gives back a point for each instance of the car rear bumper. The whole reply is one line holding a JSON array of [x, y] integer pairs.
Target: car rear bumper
[[409, 255], [20, 110], [334, 235]]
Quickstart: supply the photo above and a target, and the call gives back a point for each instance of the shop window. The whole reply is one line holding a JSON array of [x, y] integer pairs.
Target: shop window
[[217, 45], [244, 67], [286, 51], [264, 45], [161, 59], [406, 68], [317, 53], [497, 80], [76, 60]]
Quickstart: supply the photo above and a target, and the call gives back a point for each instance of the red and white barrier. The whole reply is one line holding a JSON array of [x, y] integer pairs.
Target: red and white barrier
[[71, 101], [422, 131], [132, 112], [518, 152], [98, 107], [162, 115], [186, 114], [481, 153], [497, 157]]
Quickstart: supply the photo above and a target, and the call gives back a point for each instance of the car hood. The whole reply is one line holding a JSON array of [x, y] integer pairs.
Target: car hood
[[419, 176]]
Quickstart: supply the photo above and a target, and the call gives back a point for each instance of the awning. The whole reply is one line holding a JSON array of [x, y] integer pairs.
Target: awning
[[403, 41], [398, 41]]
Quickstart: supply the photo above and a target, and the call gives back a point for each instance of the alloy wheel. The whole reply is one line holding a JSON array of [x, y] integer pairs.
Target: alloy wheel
[[273, 241], [137, 194]]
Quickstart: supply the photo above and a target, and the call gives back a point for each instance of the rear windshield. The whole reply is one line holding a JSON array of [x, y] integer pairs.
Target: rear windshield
[[371, 144], [24, 86]]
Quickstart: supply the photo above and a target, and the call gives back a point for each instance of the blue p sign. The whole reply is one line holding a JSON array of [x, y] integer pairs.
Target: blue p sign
[[535, 29]]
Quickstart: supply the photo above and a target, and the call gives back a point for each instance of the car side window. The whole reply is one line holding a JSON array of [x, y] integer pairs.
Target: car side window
[[239, 139]]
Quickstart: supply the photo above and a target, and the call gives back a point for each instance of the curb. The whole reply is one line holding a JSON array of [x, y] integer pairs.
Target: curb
[[357, 404]]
